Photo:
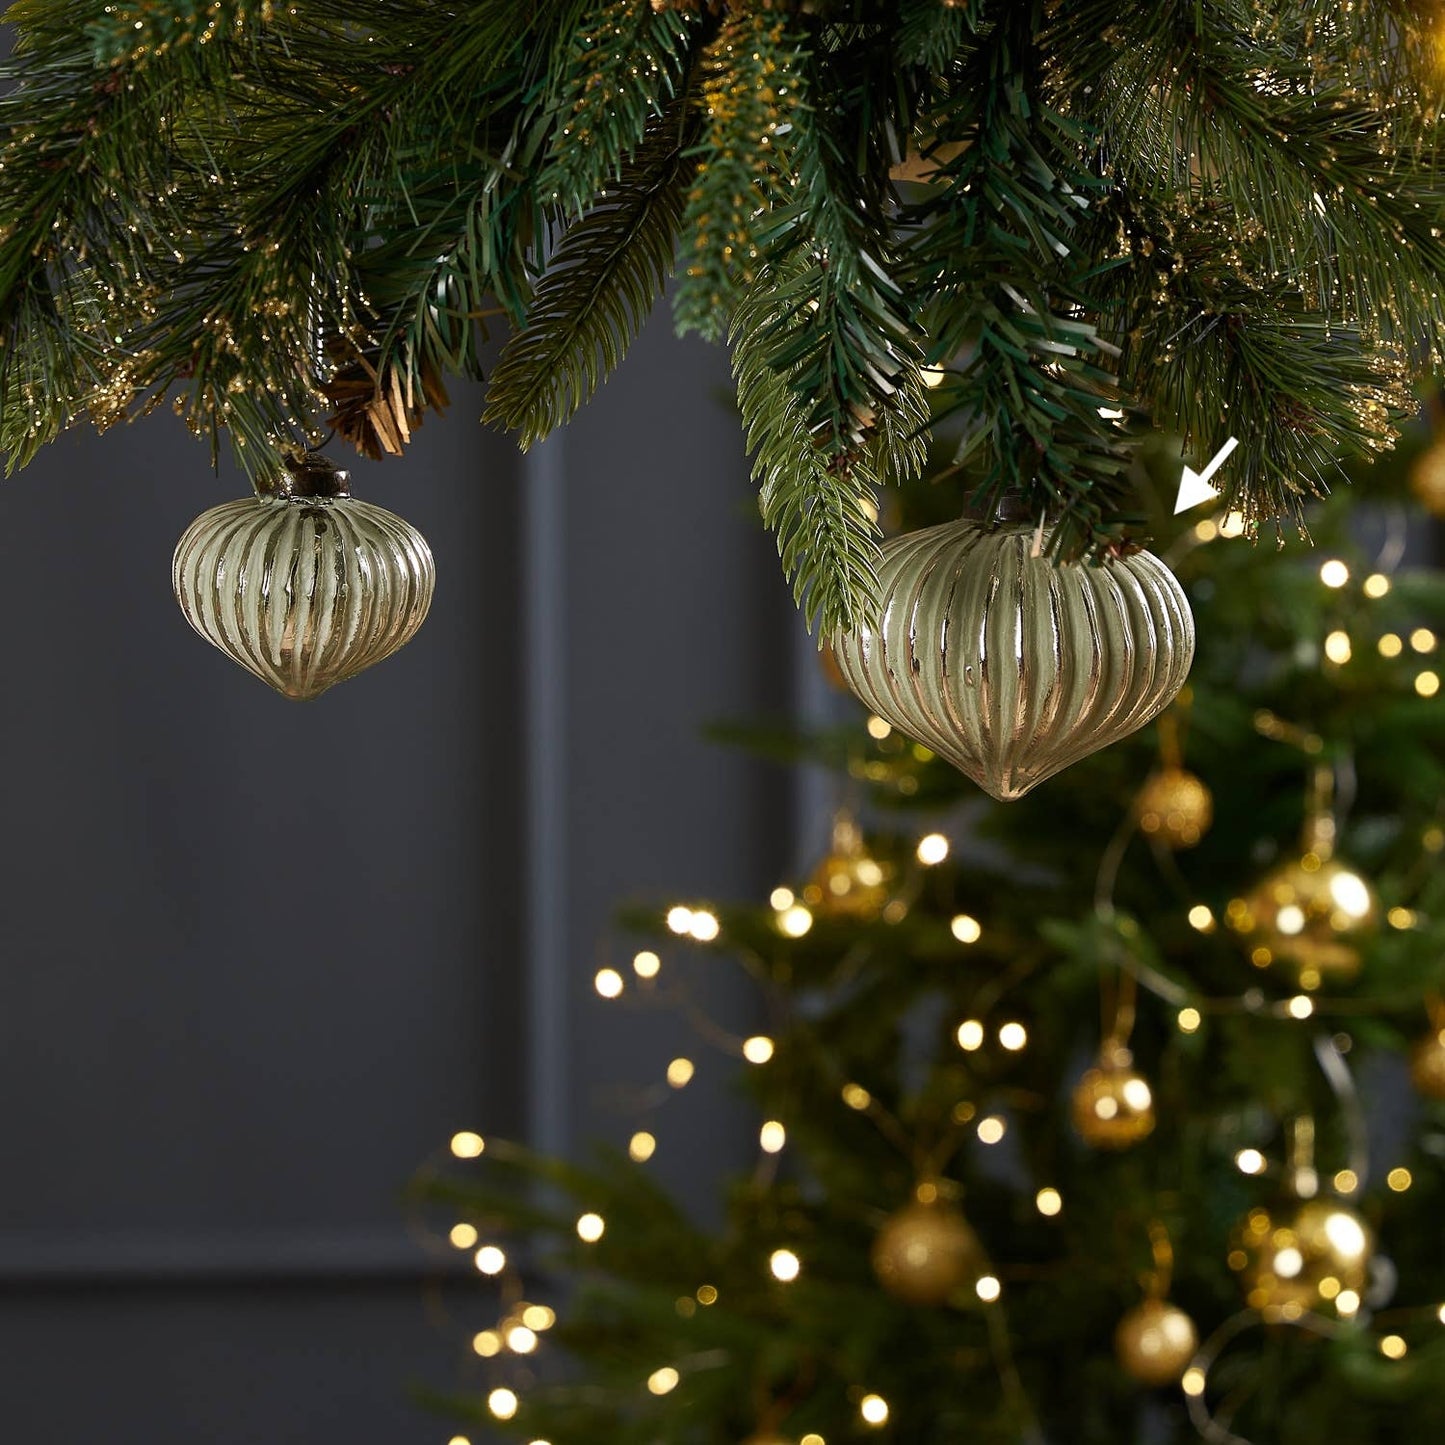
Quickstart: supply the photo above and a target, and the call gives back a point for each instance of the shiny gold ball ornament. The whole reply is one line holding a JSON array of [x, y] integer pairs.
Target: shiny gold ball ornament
[[1427, 1065], [1311, 915], [926, 1253], [1112, 1105], [849, 883], [1427, 478], [1175, 806], [1155, 1342], [1313, 1258], [302, 584], [1009, 666]]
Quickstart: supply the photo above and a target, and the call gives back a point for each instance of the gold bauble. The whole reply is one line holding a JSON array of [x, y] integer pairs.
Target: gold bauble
[[1306, 1261], [1155, 1342], [1310, 914], [1113, 1107], [1175, 807], [1427, 478], [1427, 1065], [849, 883], [926, 1253]]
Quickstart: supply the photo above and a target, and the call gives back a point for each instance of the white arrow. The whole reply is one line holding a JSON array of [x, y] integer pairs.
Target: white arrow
[[1194, 486]]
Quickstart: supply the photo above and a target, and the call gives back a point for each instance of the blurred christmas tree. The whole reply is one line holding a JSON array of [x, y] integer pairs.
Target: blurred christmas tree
[[1070, 1108]]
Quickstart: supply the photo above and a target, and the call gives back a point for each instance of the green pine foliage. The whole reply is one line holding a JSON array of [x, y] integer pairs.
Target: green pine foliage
[[1225, 215], [1070, 899]]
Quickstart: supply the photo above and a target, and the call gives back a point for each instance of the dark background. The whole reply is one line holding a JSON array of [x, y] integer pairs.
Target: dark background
[[260, 959]]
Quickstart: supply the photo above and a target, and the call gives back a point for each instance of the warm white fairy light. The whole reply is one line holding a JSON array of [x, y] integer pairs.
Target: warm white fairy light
[[795, 921], [1427, 683], [1188, 1020], [1347, 1303], [1423, 640], [1440, 1314], [680, 1072], [502, 1402], [1049, 1202], [487, 1343], [1400, 918], [932, 849], [590, 1228], [663, 1381], [1300, 1006], [873, 1409], [463, 1236], [1232, 526], [641, 1147], [1201, 917], [467, 1145], [1249, 1161], [1013, 1036], [812, 1438], [646, 964], [1399, 1180], [1337, 647], [991, 1129], [782, 898], [987, 1288], [970, 1035], [855, 1096], [1346, 1181], [758, 1049], [1334, 573], [679, 919], [707, 1294], [1192, 1381], [772, 1136], [784, 1265], [459, 1440], [1375, 586], [1390, 645], [704, 926], [965, 928], [608, 982], [878, 728], [521, 1340], [1393, 1347], [490, 1260]]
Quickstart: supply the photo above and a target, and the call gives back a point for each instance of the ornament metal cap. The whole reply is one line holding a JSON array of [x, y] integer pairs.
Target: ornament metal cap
[[305, 474]]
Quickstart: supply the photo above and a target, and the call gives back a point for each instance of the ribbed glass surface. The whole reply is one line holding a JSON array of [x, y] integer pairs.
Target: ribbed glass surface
[[304, 592], [1010, 667]]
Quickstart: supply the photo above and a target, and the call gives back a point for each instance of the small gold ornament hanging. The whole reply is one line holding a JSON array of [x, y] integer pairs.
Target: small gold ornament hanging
[[1311, 913], [1176, 807], [302, 584], [1427, 478], [1155, 1342], [927, 1251], [1427, 1065], [1307, 1258], [1008, 666], [849, 883], [1112, 1105]]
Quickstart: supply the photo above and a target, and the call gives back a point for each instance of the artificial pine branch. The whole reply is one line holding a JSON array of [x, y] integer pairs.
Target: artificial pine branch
[[599, 287]]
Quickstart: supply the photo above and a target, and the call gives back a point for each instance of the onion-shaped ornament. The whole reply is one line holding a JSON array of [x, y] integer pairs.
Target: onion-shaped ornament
[[1012, 667], [302, 584]]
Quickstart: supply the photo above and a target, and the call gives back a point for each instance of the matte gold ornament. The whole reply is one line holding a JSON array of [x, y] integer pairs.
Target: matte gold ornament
[[1008, 666], [1175, 806], [302, 584], [1309, 1259], [1112, 1105], [1427, 1065], [1427, 478], [926, 1252], [1155, 1342], [849, 883]]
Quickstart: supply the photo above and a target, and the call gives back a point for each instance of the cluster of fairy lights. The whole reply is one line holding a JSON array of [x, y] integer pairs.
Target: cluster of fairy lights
[[519, 1333]]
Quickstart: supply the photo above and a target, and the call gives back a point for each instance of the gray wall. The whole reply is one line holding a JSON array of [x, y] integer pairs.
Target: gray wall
[[258, 959]]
